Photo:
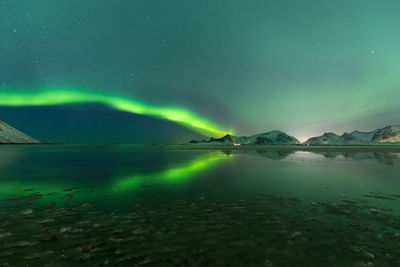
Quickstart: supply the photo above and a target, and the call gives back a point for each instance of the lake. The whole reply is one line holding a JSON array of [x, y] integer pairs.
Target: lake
[[166, 206]]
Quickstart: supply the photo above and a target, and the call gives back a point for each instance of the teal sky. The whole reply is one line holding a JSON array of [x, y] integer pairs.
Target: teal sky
[[304, 67]]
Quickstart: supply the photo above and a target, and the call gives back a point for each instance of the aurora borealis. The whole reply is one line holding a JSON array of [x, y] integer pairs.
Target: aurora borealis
[[303, 67], [58, 96]]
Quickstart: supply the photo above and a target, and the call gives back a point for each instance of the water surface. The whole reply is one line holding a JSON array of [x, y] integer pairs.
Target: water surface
[[157, 206]]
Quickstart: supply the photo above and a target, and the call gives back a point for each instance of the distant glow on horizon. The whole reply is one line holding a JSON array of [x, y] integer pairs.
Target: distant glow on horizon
[[303, 138], [61, 96]]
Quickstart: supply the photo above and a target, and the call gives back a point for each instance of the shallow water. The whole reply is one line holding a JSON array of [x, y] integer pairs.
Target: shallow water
[[149, 205]]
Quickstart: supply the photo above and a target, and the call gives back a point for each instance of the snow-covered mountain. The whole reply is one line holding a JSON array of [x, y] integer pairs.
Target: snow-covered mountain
[[268, 138], [273, 138], [325, 139], [10, 135], [389, 134]]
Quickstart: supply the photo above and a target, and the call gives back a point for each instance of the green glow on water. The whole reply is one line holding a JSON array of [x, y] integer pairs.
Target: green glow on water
[[36, 191], [172, 175], [55, 191], [9, 189], [61, 96]]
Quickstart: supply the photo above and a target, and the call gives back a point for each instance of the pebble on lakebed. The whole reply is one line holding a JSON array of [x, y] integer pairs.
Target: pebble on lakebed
[[267, 230]]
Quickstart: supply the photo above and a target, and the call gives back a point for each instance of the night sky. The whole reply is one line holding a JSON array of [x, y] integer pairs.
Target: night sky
[[304, 67]]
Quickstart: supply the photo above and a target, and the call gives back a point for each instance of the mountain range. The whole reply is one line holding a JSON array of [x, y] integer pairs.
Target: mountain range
[[389, 134], [381, 136], [269, 138], [10, 135]]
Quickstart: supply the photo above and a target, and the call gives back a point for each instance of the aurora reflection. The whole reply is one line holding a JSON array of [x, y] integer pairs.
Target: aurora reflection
[[172, 175]]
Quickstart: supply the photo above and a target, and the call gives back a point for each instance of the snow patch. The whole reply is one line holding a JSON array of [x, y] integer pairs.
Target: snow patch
[[10, 135]]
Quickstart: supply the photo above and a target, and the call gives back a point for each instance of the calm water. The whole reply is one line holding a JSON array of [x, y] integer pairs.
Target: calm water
[[127, 205]]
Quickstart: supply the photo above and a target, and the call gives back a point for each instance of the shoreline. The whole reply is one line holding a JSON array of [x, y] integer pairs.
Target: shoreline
[[327, 148], [21, 144], [349, 148]]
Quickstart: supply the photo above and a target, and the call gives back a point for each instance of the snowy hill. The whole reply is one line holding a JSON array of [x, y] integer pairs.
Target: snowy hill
[[10, 135], [325, 139], [273, 138], [389, 134], [268, 138]]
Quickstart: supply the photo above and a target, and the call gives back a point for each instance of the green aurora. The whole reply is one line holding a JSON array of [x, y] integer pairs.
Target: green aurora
[[303, 67], [59, 96]]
